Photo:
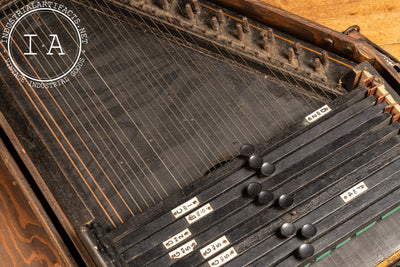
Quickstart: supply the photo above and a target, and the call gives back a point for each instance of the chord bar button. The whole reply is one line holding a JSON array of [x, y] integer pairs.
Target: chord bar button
[[253, 189], [285, 201], [267, 169], [288, 229], [265, 197], [305, 251], [255, 161], [308, 230], [247, 150]]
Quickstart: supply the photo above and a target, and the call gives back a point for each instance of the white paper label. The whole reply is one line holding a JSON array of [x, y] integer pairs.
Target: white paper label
[[214, 247], [199, 213], [183, 250], [223, 258], [354, 192], [185, 207], [176, 239], [318, 114]]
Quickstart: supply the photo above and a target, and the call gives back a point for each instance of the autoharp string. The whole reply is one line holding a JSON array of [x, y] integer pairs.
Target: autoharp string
[[99, 150], [204, 100], [127, 33], [312, 96], [183, 54], [123, 35], [96, 198], [57, 139], [149, 121], [134, 72], [198, 70], [128, 190], [261, 83], [200, 132], [216, 48]]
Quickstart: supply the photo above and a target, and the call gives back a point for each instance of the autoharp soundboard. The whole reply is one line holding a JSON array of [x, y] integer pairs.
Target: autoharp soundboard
[[203, 133]]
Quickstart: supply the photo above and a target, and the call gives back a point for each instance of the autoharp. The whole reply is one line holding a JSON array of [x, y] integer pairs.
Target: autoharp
[[202, 133]]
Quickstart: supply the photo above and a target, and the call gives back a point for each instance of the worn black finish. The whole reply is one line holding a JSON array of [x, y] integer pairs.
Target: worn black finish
[[158, 114]]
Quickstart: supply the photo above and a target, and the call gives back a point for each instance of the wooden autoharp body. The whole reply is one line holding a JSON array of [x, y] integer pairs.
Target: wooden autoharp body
[[202, 133]]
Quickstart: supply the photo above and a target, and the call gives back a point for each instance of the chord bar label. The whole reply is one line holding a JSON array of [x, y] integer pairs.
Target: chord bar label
[[354, 192], [318, 114], [199, 213], [185, 207], [183, 250], [223, 258], [176, 239], [214, 247]]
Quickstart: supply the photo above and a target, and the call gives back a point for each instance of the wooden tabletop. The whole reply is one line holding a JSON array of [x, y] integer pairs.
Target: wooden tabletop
[[378, 19]]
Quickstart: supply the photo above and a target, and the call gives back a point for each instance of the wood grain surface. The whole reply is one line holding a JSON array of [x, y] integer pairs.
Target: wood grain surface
[[23, 241], [378, 19]]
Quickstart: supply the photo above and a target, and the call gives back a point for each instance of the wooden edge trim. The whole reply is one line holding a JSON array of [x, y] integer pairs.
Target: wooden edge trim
[[35, 204]]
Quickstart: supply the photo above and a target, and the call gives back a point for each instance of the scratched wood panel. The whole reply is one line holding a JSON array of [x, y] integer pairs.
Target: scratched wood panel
[[23, 241], [378, 19]]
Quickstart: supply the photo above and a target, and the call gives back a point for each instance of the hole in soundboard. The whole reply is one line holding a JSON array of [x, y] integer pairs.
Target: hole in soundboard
[[217, 166]]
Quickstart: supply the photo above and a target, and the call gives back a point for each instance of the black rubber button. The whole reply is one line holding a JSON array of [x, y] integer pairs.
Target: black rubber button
[[305, 251], [285, 201], [247, 150], [255, 161], [267, 169], [308, 230], [253, 189], [265, 197], [288, 229]]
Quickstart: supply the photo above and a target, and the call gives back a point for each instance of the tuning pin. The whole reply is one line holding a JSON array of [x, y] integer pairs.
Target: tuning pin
[[291, 55], [317, 65], [165, 4], [189, 11], [265, 43], [325, 59], [246, 25], [220, 16], [215, 24], [297, 48], [271, 36], [196, 6], [239, 31]]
